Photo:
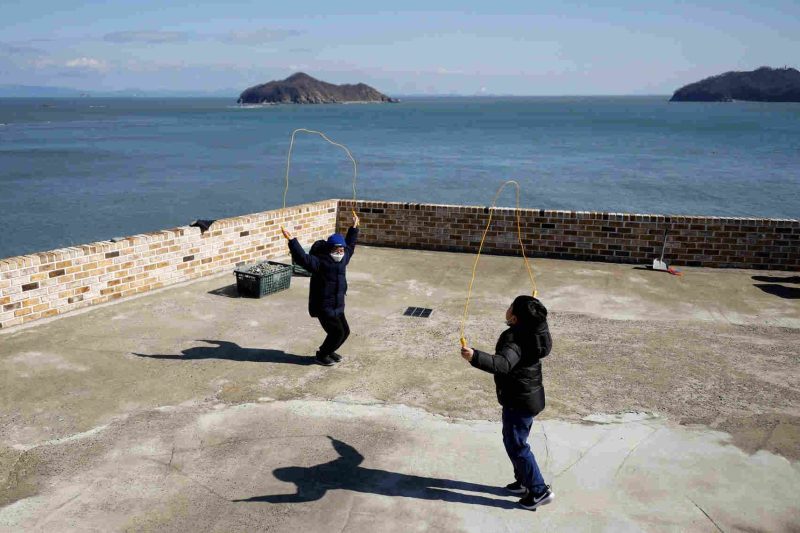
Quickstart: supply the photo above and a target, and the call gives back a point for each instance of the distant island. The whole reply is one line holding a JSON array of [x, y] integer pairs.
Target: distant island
[[761, 85], [301, 88]]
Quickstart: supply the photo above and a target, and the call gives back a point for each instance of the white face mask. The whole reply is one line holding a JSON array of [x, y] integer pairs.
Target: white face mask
[[337, 257]]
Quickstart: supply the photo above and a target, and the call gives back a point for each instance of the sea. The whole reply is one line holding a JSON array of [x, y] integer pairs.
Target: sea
[[74, 171]]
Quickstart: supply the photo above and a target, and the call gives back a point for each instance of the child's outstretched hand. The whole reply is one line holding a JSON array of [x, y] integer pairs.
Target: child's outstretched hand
[[286, 233], [467, 353], [356, 220]]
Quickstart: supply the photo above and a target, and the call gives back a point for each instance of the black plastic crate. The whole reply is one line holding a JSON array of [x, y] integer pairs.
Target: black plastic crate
[[258, 285], [297, 269]]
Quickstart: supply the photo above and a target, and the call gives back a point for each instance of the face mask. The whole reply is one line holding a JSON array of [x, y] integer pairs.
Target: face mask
[[337, 257]]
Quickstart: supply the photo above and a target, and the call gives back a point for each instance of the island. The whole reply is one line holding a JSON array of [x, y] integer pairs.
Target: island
[[761, 85], [301, 88]]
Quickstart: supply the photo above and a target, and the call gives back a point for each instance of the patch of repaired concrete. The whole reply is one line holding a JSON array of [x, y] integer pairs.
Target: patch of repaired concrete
[[43, 362], [340, 466], [618, 418]]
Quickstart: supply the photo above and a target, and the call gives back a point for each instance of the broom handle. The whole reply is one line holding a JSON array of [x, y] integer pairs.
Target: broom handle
[[664, 246]]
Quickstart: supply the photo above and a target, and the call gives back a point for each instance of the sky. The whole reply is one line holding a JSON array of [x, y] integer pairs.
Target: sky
[[410, 47]]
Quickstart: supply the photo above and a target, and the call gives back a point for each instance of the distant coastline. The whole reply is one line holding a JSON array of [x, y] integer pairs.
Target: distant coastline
[[7, 91], [37, 91]]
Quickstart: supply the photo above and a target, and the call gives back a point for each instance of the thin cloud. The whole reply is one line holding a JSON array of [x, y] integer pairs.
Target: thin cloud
[[260, 36], [74, 73], [18, 50], [86, 63], [44, 63], [251, 37], [147, 36]]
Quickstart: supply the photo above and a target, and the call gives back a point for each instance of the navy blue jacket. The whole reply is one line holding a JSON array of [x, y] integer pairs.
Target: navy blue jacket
[[517, 366], [328, 278]]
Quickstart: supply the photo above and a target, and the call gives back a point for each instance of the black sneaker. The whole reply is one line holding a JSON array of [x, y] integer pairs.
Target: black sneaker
[[531, 501], [324, 360], [336, 357], [516, 488]]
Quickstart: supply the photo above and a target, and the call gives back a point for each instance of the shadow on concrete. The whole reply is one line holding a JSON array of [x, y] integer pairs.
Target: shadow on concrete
[[233, 352], [777, 279], [228, 291], [345, 473], [790, 293], [772, 285], [650, 268]]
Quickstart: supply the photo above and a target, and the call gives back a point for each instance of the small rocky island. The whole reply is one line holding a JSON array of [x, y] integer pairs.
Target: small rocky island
[[301, 88], [761, 85]]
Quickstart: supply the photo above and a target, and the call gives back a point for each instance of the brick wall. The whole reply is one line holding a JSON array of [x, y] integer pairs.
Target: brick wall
[[51, 283], [590, 236]]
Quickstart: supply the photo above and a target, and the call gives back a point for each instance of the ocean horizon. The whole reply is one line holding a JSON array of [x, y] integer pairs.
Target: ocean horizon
[[77, 170]]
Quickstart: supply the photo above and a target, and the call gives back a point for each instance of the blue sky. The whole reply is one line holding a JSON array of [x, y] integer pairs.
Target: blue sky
[[523, 48]]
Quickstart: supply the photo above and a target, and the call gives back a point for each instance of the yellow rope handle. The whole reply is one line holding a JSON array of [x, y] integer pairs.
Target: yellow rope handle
[[289, 160], [475, 265]]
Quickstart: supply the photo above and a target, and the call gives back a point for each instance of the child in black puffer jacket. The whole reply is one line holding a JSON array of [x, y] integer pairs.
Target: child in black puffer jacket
[[327, 263], [517, 370]]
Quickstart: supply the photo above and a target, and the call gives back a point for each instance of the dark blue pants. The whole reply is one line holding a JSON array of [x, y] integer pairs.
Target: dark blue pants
[[337, 329], [516, 428]]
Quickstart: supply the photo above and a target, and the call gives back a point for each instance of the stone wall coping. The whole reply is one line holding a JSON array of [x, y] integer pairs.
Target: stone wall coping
[[558, 213], [69, 252]]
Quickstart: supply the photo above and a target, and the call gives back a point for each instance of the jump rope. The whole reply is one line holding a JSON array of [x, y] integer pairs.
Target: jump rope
[[463, 339], [325, 137], [480, 248]]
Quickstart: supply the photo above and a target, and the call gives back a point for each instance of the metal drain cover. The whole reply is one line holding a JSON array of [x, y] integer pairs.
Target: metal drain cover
[[420, 312]]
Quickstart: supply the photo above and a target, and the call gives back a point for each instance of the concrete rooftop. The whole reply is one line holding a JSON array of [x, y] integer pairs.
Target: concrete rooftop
[[673, 404]]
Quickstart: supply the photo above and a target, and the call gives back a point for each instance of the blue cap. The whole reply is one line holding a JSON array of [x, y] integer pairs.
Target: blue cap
[[336, 240]]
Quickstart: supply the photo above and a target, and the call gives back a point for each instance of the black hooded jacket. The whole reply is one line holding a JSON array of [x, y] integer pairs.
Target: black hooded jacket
[[517, 367], [328, 278]]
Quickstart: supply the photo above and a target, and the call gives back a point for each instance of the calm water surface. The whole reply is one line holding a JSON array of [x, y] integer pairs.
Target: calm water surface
[[79, 170]]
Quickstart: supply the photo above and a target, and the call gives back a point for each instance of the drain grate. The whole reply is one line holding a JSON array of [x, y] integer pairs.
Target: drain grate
[[421, 312]]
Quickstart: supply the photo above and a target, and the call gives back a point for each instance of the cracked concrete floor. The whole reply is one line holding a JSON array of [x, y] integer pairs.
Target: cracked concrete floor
[[302, 465], [158, 413]]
